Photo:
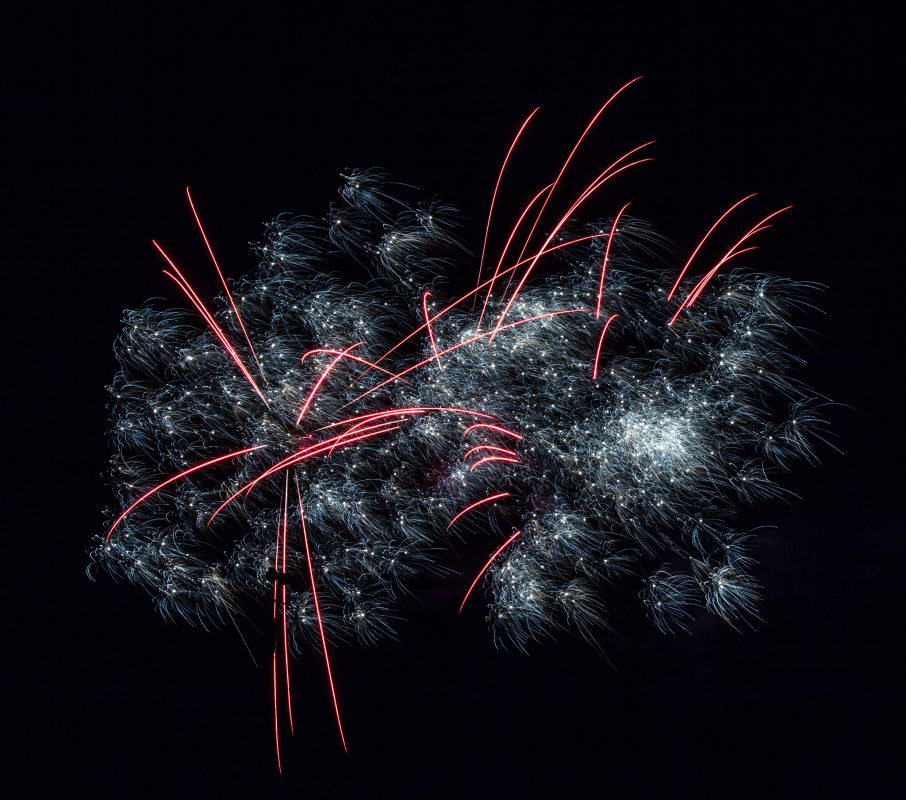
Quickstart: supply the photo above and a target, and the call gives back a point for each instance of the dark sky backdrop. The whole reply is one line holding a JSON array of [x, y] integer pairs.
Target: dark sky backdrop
[[114, 111]]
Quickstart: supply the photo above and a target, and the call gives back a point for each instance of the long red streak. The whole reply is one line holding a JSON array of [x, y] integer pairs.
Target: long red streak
[[314, 593], [578, 143], [758, 227], [276, 705], [276, 717], [493, 458], [320, 381], [732, 253], [407, 410], [484, 569], [613, 230], [289, 696], [226, 288], [493, 447], [594, 372], [182, 474], [421, 327], [602, 178], [383, 427], [425, 297], [560, 247], [497, 428], [506, 247], [187, 289], [277, 569], [605, 176], [467, 509], [366, 424], [543, 253], [314, 449], [326, 445], [503, 166], [711, 230], [344, 354], [699, 287]]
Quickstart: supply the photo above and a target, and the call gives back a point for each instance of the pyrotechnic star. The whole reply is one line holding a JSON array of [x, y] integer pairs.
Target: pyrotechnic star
[[303, 445]]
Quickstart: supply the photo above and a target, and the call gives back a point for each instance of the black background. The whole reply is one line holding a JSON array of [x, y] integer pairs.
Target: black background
[[112, 112]]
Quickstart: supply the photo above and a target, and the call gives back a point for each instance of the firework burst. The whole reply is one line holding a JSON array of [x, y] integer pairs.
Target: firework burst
[[308, 444]]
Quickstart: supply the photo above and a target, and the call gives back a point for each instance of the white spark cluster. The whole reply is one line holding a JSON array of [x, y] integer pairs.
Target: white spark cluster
[[623, 483]]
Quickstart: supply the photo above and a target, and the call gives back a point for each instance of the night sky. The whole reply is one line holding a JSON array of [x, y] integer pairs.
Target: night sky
[[113, 112]]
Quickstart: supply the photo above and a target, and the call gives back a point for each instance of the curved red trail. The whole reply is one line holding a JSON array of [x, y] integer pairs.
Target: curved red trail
[[484, 569], [314, 592]]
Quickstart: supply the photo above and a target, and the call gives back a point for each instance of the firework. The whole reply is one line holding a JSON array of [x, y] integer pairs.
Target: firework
[[308, 444]]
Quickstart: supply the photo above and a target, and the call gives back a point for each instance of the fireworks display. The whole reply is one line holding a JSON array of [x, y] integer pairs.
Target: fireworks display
[[301, 446]]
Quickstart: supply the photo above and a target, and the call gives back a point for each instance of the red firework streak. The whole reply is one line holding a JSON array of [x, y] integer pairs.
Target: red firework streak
[[497, 428], [569, 158], [280, 568], [487, 230], [477, 503], [187, 289], [358, 428], [226, 288], [178, 476], [486, 459], [492, 447], [425, 297], [613, 232], [594, 371], [314, 593], [484, 569], [733, 252], [322, 378]]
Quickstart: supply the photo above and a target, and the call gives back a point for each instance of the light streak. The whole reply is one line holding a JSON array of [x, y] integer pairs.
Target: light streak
[[504, 450], [611, 172], [425, 297], [276, 716], [325, 446], [321, 379], [488, 283], [289, 696], [486, 459], [484, 569], [187, 289], [506, 247], [572, 152], [613, 230], [345, 354], [391, 412], [223, 282], [497, 428], [183, 474], [467, 509], [594, 372], [314, 594], [705, 238], [506, 160], [732, 253]]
